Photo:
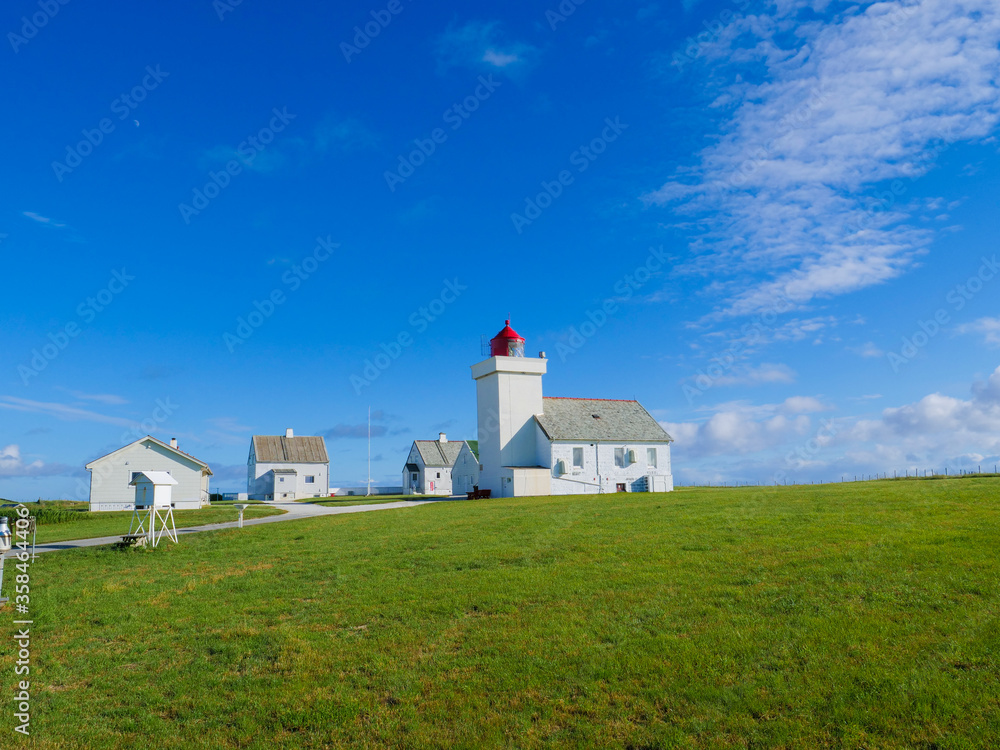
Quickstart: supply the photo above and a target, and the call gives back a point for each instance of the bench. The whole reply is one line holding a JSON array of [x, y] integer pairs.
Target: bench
[[479, 494]]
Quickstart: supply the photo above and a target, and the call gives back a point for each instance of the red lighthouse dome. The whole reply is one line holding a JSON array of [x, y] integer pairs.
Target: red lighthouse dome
[[507, 343]]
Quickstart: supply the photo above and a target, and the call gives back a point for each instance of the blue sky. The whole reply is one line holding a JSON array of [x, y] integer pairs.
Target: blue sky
[[773, 223]]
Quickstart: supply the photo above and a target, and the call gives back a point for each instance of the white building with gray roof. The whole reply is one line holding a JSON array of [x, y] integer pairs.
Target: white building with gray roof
[[429, 465], [531, 445], [287, 467], [111, 475], [602, 445]]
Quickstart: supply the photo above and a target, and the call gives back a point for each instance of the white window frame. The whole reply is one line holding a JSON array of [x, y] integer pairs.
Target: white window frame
[[619, 458], [651, 454], [578, 452]]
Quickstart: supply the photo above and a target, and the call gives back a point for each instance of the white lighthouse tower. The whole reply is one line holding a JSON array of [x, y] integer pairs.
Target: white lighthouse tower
[[509, 395]]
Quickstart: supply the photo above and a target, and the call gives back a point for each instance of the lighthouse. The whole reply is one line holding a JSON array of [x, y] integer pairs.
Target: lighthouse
[[531, 446], [509, 396]]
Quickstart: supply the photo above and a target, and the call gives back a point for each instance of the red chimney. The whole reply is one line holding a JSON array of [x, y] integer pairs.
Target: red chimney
[[507, 343]]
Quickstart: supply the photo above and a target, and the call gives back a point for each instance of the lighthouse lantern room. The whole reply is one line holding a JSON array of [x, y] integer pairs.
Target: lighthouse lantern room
[[507, 343]]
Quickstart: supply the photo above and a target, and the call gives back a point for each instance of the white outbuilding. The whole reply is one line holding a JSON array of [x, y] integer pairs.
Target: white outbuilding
[[428, 468], [465, 473], [153, 488], [111, 476], [531, 445], [287, 467]]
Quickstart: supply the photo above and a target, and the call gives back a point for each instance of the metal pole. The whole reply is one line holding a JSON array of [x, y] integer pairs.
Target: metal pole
[[368, 488]]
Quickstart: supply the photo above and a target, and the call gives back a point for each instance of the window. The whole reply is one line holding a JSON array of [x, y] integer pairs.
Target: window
[[620, 457], [439, 475], [281, 479], [310, 479], [578, 458], [651, 457]]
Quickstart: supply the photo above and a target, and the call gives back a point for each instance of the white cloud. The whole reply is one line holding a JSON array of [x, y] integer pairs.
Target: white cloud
[[764, 374], [868, 349], [481, 45], [499, 59], [734, 432], [13, 465], [794, 182], [42, 219], [744, 441], [60, 411], [803, 405], [101, 398], [988, 327], [740, 428]]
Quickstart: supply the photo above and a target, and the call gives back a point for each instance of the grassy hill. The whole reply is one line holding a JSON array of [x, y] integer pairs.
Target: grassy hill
[[858, 615]]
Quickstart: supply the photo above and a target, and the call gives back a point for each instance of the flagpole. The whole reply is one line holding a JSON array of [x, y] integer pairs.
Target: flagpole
[[368, 488]]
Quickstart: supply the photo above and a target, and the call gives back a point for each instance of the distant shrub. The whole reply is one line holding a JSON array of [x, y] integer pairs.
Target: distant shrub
[[45, 516]]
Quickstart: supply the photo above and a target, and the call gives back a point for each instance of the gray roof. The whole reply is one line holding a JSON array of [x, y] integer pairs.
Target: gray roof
[[594, 419], [436, 453], [280, 449]]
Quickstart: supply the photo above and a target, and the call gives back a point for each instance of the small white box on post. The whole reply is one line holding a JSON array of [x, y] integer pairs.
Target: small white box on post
[[153, 500]]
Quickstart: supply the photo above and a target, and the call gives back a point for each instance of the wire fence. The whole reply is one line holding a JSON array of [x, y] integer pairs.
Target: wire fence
[[910, 473]]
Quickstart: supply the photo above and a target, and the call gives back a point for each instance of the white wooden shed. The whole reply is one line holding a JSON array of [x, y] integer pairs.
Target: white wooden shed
[[153, 488]]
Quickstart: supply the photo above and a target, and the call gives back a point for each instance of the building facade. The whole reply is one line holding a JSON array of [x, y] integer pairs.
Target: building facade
[[465, 474], [111, 475], [531, 445], [287, 467], [428, 468]]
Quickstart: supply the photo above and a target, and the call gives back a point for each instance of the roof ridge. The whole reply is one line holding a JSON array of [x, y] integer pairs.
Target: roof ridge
[[579, 398]]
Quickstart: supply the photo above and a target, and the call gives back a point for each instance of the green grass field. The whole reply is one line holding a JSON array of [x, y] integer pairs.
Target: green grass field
[[844, 616], [82, 524]]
